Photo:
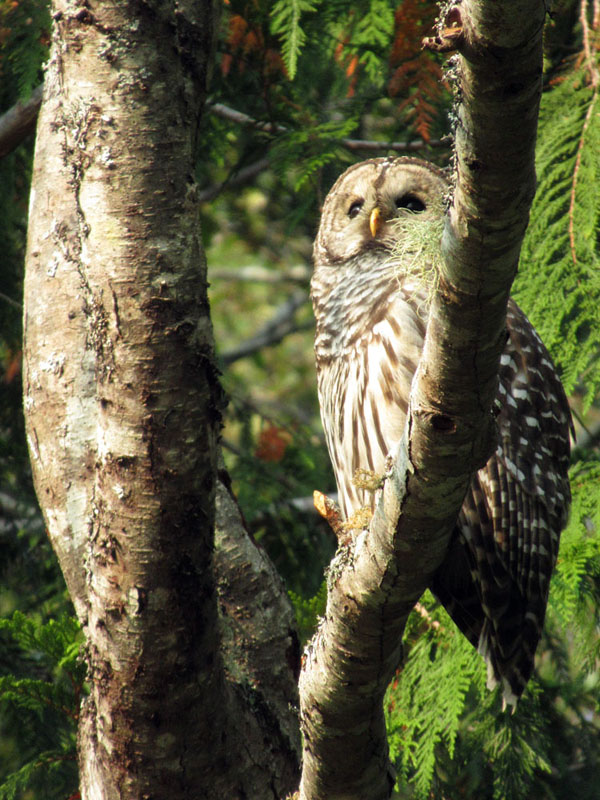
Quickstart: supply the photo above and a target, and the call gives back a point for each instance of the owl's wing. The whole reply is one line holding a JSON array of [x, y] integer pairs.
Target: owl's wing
[[495, 580]]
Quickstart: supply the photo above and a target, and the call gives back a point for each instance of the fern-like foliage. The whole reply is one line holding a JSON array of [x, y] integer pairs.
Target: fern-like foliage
[[314, 147], [416, 74], [59, 639], [308, 611], [425, 703], [576, 580], [285, 23], [559, 280], [373, 32], [41, 708], [24, 40]]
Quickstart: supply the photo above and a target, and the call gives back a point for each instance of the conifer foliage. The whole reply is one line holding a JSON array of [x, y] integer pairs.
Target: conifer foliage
[[43, 704], [559, 276], [309, 79]]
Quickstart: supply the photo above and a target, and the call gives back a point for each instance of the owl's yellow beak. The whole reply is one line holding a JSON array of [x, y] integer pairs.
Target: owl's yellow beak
[[375, 221]]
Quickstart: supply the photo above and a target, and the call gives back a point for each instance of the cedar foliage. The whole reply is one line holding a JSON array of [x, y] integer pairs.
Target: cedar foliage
[[43, 705], [559, 280], [318, 72]]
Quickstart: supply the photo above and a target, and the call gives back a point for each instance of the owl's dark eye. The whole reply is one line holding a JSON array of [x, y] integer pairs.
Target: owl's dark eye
[[410, 203], [355, 208]]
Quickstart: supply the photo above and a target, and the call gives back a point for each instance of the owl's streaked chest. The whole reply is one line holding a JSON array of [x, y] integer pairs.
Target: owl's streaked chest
[[369, 340]]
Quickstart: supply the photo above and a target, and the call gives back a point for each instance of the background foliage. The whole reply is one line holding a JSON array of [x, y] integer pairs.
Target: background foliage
[[302, 88]]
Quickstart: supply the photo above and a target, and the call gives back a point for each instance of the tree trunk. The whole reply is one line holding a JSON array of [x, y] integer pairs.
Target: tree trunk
[[123, 410]]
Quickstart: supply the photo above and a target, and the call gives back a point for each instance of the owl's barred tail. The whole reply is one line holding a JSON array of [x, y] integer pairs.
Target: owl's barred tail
[[510, 675], [500, 624], [508, 646], [509, 654]]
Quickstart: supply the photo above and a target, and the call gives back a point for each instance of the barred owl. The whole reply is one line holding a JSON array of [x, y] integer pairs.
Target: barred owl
[[371, 320]]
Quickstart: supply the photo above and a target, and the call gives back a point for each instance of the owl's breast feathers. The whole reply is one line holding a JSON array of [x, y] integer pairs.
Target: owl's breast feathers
[[367, 345]]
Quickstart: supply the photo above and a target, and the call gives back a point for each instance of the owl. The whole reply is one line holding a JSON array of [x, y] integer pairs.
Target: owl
[[371, 315]]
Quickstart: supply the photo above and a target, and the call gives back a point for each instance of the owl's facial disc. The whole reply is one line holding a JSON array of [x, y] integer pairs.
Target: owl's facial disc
[[360, 210]]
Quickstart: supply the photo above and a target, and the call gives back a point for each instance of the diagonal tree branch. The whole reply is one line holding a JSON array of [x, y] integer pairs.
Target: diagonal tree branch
[[258, 274], [376, 580], [19, 122], [239, 178], [282, 323]]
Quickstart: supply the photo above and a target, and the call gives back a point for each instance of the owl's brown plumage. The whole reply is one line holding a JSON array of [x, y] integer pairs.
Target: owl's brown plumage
[[371, 322]]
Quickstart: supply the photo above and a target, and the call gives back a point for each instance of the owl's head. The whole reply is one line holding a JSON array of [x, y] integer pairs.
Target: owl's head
[[360, 209]]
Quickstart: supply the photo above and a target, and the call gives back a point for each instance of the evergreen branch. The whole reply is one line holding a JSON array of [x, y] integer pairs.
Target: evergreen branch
[[58, 639], [17, 783], [34, 694], [285, 22], [231, 114], [19, 122], [594, 76], [560, 292]]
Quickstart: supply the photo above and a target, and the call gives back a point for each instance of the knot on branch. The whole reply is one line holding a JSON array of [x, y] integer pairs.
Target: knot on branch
[[453, 431], [449, 35]]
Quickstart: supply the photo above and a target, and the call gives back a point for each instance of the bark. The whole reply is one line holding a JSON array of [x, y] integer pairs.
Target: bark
[[378, 577], [261, 655], [123, 412]]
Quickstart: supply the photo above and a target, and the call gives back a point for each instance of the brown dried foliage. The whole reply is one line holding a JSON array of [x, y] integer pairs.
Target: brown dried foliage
[[416, 75]]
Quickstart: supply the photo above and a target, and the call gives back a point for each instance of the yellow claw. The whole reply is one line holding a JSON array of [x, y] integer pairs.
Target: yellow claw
[[375, 221]]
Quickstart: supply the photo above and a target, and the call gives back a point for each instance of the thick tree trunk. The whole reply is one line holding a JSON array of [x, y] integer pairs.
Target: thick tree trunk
[[123, 409], [377, 578]]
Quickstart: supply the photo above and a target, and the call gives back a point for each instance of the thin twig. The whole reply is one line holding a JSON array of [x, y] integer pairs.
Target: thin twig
[[590, 56], [9, 300], [398, 147], [19, 121], [592, 68], [231, 114], [588, 117], [424, 613], [239, 178]]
